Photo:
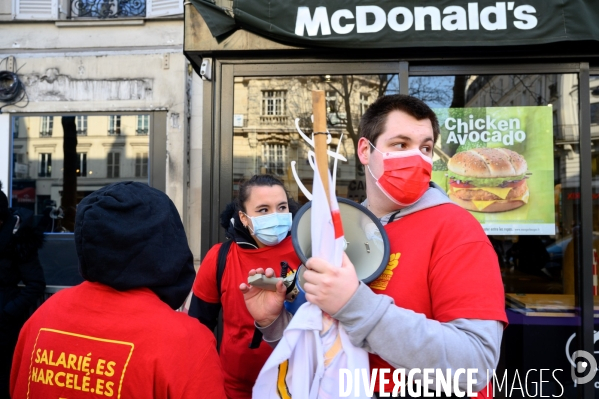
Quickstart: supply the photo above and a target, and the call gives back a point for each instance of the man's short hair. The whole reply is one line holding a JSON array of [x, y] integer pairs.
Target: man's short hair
[[374, 119]]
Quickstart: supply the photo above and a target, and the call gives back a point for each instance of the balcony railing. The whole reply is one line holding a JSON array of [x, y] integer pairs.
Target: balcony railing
[[47, 133], [104, 9], [142, 132], [273, 119], [565, 132], [114, 132]]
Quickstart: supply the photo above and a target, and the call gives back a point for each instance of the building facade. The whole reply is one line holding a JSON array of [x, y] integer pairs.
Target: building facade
[[115, 72]]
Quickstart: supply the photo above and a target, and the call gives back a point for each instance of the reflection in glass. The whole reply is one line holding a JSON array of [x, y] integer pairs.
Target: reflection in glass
[[539, 271], [530, 264], [55, 165], [114, 124], [81, 122], [266, 139], [47, 125], [143, 124]]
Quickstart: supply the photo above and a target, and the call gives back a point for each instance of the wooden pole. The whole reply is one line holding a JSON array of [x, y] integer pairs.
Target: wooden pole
[[320, 140]]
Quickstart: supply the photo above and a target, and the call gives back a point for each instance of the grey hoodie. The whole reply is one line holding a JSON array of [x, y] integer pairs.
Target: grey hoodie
[[409, 340]]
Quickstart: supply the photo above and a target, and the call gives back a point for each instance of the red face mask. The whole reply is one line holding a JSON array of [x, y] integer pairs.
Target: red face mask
[[406, 175]]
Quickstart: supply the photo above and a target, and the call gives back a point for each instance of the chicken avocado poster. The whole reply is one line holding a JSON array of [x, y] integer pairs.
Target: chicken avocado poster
[[498, 164]]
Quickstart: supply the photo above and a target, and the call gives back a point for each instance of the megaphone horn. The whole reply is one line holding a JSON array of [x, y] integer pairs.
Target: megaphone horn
[[367, 244]]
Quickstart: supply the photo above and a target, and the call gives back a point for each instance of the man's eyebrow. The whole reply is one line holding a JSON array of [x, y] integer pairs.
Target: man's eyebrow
[[400, 136], [407, 138]]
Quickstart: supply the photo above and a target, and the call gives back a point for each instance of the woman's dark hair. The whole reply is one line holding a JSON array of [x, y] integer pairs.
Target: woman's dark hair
[[262, 180]]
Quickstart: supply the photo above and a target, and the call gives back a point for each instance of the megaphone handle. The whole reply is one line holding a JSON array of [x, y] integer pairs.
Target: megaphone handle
[[263, 282]]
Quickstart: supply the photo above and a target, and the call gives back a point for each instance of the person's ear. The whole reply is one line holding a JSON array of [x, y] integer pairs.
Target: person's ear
[[364, 150], [244, 219]]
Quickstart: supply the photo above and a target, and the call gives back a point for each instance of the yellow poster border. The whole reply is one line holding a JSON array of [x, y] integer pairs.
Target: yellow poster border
[[112, 341]]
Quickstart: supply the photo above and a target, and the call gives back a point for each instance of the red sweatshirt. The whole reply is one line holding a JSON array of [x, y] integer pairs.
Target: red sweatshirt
[[92, 341]]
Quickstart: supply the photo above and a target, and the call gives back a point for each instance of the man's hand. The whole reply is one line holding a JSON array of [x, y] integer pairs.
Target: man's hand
[[330, 287], [264, 306]]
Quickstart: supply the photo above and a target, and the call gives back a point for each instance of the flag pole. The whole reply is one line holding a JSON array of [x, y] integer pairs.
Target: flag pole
[[320, 138]]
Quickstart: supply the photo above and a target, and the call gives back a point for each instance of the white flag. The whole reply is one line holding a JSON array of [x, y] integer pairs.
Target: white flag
[[306, 362]]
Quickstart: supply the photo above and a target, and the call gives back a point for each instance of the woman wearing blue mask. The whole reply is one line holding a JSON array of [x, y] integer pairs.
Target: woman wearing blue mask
[[258, 223]]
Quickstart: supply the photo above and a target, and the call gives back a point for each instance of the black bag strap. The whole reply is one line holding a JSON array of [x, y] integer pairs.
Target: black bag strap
[[220, 270], [221, 263]]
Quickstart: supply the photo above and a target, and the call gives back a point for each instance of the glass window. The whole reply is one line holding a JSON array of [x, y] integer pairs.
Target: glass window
[[530, 214], [274, 156], [15, 129], [81, 122], [51, 174], [266, 139], [114, 125], [364, 103], [45, 165], [113, 165], [143, 124], [274, 102], [331, 99], [141, 164], [82, 164], [594, 113], [107, 9], [46, 126]]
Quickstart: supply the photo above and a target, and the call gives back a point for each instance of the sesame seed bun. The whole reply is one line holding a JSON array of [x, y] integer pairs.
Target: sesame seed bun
[[488, 163]]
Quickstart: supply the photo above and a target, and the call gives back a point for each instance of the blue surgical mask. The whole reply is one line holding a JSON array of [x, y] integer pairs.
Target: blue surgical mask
[[271, 229]]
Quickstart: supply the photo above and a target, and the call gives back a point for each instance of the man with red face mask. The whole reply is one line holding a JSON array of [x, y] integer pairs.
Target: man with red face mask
[[440, 302]]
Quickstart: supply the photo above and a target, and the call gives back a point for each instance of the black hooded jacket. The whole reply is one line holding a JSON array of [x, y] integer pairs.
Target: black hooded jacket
[[19, 262], [129, 235]]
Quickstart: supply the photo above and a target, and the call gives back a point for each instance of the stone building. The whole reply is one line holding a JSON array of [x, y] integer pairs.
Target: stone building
[[112, 65]]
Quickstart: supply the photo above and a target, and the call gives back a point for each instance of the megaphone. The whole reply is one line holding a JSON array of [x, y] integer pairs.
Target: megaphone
[[366, 241]]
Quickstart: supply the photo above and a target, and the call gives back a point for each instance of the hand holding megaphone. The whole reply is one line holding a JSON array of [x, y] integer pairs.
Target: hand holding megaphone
[[366, 245]]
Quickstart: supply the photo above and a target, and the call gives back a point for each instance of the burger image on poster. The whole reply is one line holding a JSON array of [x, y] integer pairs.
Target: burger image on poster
[[488, 180]]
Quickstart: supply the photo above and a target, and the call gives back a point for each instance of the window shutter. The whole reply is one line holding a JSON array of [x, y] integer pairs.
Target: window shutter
[[36, 9], [159, 8]]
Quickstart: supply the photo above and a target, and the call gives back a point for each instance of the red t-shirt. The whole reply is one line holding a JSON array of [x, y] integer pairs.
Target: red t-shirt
[[92, 341], [443, 266], [241, 364]]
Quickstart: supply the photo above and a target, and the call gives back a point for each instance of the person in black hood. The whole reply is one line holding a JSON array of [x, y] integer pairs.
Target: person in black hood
[[129, 235], [18, 263], [257, 226], [134, 256]]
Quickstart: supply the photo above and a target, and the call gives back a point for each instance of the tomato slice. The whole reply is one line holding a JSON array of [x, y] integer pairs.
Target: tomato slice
[[454, 184]]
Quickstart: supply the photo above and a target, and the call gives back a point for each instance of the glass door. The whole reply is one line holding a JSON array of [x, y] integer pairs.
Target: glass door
[[537, 217]]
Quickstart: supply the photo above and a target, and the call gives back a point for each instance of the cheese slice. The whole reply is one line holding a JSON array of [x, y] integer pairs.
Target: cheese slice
[[498, 191], [480, 205], [525, 197]]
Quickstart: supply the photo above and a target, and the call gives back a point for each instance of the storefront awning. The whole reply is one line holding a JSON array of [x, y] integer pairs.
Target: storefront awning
[[395, 24]]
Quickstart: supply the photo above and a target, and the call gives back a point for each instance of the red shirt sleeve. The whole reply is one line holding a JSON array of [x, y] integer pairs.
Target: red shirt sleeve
[[204, 286], [465, 283]]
